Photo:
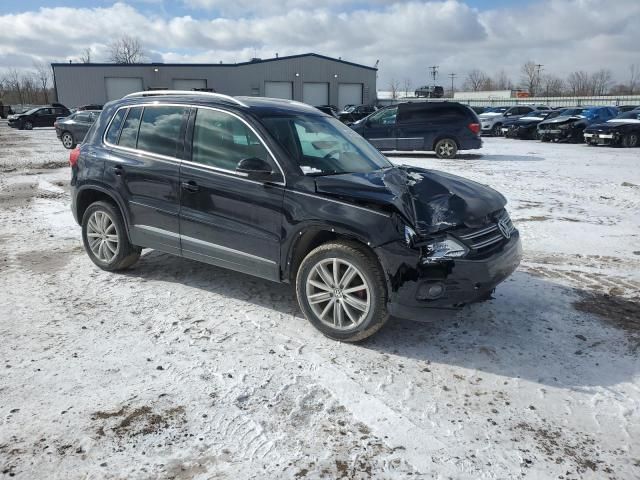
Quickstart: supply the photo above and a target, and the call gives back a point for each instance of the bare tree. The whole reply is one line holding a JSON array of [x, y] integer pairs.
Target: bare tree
[[475, 81], [600, 82], [43, 77], [14, 84], [530, 72], [552, 86], [394, 86], [85, 57], [579, 83], [126, 49], [406, 86], [502, 82]]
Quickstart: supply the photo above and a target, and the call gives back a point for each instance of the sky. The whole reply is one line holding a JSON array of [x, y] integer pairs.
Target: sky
[[405, 36]]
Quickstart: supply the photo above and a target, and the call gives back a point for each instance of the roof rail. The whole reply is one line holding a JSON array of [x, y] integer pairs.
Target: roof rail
[[153, 93]]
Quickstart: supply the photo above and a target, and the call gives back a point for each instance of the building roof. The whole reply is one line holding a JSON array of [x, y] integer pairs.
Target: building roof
[[252, 62]]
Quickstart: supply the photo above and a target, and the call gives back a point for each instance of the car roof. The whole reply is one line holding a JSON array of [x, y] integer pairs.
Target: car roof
[[258, 105]]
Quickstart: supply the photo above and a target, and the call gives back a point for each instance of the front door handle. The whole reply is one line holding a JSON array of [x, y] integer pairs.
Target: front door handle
[[190, 186]]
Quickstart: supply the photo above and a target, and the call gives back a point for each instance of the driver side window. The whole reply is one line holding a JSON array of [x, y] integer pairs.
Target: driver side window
[[221, 140], [384, 117]]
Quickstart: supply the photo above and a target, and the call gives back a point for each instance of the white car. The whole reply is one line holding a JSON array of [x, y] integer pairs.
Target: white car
[[491, 120]]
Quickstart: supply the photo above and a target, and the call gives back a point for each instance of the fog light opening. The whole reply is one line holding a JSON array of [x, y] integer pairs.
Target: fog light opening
[[430, 291]]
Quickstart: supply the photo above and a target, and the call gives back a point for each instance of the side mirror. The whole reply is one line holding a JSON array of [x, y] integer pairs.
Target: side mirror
[[254, 168]]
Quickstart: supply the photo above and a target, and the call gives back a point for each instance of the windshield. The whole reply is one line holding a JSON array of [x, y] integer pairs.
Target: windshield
[[573, 111], [350, 108], [324, 145], [634, 115], [496, 110]]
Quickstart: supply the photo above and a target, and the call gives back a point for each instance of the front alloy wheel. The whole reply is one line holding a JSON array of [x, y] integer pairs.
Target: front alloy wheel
[[630, 140], [28, 125], [338, 293], [342, 291], [446, 148]]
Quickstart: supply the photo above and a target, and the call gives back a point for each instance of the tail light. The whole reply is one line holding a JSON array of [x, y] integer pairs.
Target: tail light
[[475, 128], [73, 156]]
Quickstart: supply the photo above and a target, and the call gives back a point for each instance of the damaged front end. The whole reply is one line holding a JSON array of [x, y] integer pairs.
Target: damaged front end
[[456, 240]]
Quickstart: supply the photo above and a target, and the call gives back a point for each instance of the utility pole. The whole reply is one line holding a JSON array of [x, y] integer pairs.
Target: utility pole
[[434, 73], [452, 75], [539, 67]]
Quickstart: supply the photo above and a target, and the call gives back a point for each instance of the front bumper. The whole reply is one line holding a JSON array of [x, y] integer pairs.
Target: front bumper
[[599, 138], [561, 134], [465, 281], [13, 123]]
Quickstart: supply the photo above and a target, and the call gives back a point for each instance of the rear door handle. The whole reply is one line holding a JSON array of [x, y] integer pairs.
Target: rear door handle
[[118, 170], [190, 186]]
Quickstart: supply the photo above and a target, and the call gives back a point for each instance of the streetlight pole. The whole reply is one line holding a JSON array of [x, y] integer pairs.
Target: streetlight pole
[[452, 75]]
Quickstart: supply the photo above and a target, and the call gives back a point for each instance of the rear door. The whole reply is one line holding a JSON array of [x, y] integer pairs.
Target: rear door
[[380, 129], [416, 127], [81, 123], [225, 218], [144, 166]]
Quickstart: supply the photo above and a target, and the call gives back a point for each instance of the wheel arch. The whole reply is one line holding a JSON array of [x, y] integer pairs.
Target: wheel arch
[[312, 236], [94, 193], [443, 137]]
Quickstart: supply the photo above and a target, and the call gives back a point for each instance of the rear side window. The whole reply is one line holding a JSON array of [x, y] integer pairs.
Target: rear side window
[[81, 117], [114, 128], [221, 140], [160, 130], [129, 134]]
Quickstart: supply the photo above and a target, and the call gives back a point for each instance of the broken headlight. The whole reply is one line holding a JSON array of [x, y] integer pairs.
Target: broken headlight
[[409, 235], [443, 249]]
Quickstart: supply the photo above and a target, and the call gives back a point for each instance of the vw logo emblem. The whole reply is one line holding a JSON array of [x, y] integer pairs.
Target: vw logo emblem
[[503, 226]]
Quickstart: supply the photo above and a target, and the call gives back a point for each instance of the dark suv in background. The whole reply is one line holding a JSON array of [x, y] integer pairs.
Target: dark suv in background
[[279, 190], [353, 113], [443, 127], [38, 117]]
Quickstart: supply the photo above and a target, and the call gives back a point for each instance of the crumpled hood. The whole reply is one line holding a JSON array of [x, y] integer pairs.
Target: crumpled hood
[[429, 200], [562, 119]]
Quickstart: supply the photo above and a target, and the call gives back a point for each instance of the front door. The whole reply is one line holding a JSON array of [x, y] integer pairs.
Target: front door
[[380, 129], [226, 219], [143, 164]]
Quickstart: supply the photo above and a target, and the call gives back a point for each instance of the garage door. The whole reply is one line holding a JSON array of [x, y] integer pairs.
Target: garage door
[[118, 87], [278, 90], [315, 93], [349, 94], [189, 83]]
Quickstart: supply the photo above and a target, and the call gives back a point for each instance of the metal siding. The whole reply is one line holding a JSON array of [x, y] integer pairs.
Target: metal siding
[[79, 84]]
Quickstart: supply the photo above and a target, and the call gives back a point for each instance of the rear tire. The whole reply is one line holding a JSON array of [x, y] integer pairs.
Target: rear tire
[[446, 148], [105, 239], [342, 291], [68, 141]]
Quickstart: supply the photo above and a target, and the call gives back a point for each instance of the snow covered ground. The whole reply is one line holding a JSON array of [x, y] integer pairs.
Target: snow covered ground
[[178, 370]]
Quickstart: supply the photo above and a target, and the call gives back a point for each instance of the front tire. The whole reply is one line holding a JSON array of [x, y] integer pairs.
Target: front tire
[[105, 238], [342, 291], [446, 148], [27, 125], [68, 141], [496, 131], [630, 140]]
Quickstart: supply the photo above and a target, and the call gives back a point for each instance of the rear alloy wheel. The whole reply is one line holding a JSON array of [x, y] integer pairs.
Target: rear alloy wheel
[[67, 141], [105, 238], [446, 148], [27, 125], [341, 291], [630, 140]]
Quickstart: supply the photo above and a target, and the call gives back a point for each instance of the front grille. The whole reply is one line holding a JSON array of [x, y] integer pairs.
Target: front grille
[[485, 239]]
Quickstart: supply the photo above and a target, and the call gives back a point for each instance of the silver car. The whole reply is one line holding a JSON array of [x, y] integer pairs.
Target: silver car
[[72, 129]]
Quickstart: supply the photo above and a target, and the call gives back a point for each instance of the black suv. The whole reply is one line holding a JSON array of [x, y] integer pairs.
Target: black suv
[[444, 127], [279, 190], [38, 117]]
